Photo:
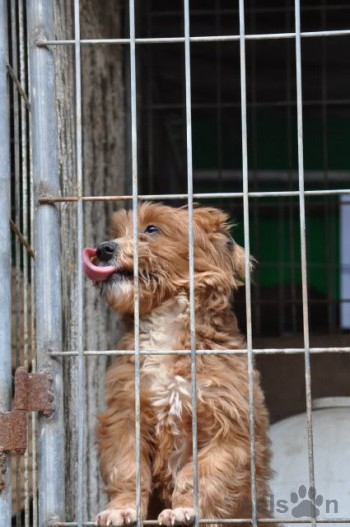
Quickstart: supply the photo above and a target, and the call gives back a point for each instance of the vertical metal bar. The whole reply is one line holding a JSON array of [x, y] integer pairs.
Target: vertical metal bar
[[5, 259], [191, 256], [24, 173], [25, 230], [254, 147], [47, 252], [79, 285], [16, 192], [150, 110], [247, 259], [136, 258], [34, 428], [303, 250], [219, 144]]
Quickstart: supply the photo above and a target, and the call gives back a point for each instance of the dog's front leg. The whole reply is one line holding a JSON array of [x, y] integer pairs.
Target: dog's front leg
[[223, 486], [119, 474], [116, 438]]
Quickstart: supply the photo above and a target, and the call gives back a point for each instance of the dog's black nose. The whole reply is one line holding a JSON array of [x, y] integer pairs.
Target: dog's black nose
[[105, 251]]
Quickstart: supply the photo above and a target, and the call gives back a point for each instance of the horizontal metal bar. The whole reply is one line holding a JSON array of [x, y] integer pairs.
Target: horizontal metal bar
[[257, 351], [206, 38], [225, 520], [18, 85], [250, 104], [264, 520], [313, 301], [247, 10], [22, 239], [201, 195]]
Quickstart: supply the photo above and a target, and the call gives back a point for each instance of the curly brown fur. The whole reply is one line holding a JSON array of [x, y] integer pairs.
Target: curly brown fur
[[166, 408]]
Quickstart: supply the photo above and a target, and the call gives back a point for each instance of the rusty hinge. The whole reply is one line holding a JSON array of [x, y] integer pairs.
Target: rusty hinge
[[33, 393]]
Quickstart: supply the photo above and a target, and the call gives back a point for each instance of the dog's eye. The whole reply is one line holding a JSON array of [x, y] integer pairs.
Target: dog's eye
[[150, 229]]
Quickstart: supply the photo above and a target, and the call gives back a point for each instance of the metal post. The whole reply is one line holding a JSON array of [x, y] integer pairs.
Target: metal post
[[47, 250], [191, 260], [250, 355], [80, 289], [24, 104], [135, 190], [302, 219], [205, 38], [5, 260]]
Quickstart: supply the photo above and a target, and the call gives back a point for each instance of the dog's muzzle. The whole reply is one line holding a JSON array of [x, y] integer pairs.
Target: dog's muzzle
[[106, 250]]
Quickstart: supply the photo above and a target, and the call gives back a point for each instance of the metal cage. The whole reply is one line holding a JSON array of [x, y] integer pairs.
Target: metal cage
[[50, 53]]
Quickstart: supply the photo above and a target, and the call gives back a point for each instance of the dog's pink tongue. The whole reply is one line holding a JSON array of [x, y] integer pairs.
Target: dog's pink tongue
[[95, 272]]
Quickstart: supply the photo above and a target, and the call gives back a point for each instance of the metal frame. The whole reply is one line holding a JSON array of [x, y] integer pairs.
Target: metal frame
[[47, 249], [17, 219], [301, 181], [191, 257], [48, 198], [5, 258], [303, 252], [47, 243], [250, 357], [81, 365], [229, 521], [134, 177], [214, 38], [44, 198]]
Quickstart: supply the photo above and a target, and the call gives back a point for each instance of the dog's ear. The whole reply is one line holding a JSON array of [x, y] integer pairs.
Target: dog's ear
[[211, 219]]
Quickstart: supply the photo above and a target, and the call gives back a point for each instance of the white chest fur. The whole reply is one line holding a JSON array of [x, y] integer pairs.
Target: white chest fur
[[170, 393], [159, 329], [171, 397]]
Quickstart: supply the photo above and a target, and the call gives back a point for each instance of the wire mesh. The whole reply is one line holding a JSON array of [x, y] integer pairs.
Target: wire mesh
[[251, 203]]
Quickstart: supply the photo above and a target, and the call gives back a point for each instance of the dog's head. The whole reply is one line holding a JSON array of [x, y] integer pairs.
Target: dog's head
[[164, 257]]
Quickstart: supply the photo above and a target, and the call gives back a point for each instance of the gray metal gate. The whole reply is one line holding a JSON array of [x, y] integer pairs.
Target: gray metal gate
[[36, 123]]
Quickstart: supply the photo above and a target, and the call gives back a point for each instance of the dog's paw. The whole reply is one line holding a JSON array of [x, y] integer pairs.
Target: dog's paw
[[180, 515], [116, 518]]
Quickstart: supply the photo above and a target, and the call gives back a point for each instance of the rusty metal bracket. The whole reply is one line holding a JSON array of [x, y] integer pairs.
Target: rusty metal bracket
[[13, 432], [33, 393]]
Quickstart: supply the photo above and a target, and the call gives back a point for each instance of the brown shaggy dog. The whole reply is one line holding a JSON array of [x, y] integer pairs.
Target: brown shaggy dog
[[166, 410]]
